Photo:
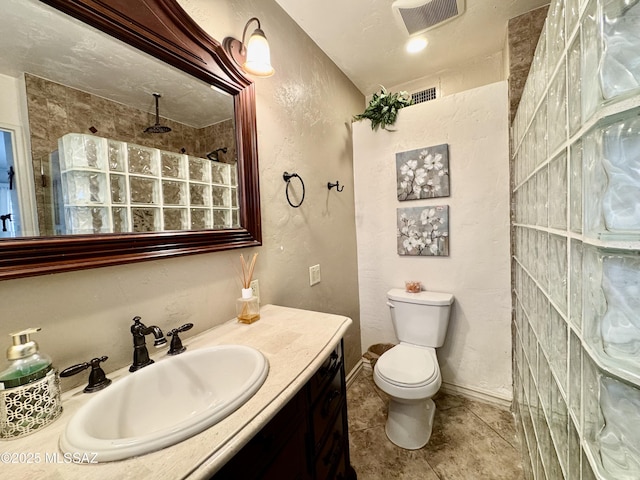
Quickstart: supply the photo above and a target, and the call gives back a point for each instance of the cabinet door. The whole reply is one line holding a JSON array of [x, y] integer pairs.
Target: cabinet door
[[291, 462]]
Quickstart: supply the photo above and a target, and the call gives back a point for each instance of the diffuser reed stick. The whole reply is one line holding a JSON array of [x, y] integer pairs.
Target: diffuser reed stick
[[247, 307], [247, 273]]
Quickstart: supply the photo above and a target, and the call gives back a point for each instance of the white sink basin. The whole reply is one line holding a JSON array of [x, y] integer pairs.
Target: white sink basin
[[166, 403]]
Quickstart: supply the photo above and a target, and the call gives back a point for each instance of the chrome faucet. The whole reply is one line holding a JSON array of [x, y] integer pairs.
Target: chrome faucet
[[140, 352]]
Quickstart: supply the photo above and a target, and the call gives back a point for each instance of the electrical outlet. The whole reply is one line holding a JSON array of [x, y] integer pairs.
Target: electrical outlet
[[314, 275], [255, 286]]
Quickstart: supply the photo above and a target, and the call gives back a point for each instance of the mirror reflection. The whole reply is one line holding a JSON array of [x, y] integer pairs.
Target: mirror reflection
[[107, 139]]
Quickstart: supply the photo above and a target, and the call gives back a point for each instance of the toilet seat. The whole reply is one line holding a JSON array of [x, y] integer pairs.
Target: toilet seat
[[407, 366]]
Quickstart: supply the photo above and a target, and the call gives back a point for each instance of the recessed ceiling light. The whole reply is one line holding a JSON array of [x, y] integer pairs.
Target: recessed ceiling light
[[416, 44]]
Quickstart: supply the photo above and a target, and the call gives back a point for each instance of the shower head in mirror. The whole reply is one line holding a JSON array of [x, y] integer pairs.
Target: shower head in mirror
[[214, 154], [157, 128]]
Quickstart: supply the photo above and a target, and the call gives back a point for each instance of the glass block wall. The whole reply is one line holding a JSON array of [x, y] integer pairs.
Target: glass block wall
[[106, 186], [576, 245]]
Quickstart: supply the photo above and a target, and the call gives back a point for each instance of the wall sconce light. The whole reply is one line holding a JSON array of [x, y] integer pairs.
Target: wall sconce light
[[254, 57]]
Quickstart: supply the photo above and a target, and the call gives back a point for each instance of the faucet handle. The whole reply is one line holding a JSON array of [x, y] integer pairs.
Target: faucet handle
[[176, 344], [97, 378]]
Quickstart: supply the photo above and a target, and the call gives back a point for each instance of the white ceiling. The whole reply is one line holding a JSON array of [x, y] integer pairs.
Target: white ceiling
[[366, 42]]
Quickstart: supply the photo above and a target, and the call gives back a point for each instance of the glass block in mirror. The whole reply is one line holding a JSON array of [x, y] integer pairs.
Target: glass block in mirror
[[117, 156], [612, 176], [199, 194], [173, 165], [221, 196], [144, 190], [175, 219], [220, 173], [82, 151], [199, 169], [84, 187], [142, 160], [221, 218], [145, 219], [620, 63], [174, 193], [118, 185], [200, 219], [120, 220], [87, 220]]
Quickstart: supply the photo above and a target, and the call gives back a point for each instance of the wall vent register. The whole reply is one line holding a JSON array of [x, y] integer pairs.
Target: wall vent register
[[424, 96]]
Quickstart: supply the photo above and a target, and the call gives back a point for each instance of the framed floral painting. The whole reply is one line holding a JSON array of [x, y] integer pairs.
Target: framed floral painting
[[423, 231], [423, 173]]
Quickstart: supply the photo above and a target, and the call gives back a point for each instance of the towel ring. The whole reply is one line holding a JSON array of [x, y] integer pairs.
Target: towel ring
[[287, 178]]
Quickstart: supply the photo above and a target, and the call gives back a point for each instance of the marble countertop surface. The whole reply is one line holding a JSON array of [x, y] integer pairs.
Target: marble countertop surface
[[295, 342]]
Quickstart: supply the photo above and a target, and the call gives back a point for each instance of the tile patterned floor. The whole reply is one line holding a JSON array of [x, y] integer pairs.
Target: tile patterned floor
[[470, 440]]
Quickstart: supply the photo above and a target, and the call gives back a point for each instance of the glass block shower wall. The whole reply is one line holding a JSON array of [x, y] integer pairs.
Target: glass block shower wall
[[576, 237]]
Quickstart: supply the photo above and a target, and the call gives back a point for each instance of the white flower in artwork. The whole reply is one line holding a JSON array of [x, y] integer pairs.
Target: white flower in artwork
[[433, 162], [421, 176], [433, 248]]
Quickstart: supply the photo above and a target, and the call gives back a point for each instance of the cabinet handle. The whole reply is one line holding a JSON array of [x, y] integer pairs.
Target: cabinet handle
[[334, 453], [333, 366], [326, 406]]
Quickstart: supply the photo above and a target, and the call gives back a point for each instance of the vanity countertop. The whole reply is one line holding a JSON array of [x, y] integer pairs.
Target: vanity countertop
[[295, 342]]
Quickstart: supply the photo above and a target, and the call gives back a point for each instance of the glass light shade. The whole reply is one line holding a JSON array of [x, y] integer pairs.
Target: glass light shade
[[258, 55]]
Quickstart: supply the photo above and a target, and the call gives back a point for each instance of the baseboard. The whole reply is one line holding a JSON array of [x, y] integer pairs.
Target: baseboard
[[477, 394], [351, 376]]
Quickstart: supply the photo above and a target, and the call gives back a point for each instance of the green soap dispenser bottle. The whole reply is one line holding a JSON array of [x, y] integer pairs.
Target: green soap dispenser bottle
[[29, 389], [27, 364]]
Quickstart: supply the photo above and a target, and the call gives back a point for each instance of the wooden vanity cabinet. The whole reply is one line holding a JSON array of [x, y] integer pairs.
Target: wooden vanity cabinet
[[308, 439]]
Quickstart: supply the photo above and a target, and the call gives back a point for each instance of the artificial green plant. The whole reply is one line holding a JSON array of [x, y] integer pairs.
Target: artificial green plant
[[383, 108]]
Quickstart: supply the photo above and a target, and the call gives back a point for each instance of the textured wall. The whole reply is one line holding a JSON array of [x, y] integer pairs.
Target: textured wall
[[476, 355], [303, 114], [523, 34], [480, 71]]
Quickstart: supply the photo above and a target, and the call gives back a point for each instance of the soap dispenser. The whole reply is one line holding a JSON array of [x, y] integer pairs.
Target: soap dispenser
[[29, 388]]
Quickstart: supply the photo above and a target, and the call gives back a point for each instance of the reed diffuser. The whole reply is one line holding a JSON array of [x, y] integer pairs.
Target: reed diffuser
[[247, 306]]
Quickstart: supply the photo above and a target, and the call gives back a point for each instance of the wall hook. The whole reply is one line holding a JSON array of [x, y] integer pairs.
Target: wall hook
[[287, 178], [337, 185]]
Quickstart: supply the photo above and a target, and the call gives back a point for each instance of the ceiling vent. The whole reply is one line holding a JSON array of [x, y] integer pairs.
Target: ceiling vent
[[417, 16]]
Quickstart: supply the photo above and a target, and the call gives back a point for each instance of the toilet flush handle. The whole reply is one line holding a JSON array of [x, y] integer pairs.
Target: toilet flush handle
[[391, 305]]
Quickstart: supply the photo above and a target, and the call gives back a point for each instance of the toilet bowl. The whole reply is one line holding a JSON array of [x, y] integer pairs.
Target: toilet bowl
[[409, 372], [410, 376]]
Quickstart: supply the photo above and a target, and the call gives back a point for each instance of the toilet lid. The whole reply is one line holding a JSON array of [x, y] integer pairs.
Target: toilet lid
[[409, 366]]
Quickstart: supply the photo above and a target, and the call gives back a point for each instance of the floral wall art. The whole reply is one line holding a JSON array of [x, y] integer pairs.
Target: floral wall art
[[423, 231], [423, 173]]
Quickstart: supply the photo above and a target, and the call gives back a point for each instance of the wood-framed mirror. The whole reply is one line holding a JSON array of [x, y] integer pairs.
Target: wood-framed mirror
[[162, 30]]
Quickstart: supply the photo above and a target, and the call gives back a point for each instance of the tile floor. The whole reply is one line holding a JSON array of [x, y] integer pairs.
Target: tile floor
[[470, 440]]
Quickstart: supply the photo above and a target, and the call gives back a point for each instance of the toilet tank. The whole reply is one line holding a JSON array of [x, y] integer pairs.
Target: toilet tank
[[420, 318]]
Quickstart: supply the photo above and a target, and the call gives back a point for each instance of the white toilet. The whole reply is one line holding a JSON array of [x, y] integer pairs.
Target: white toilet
[[409, 372]]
